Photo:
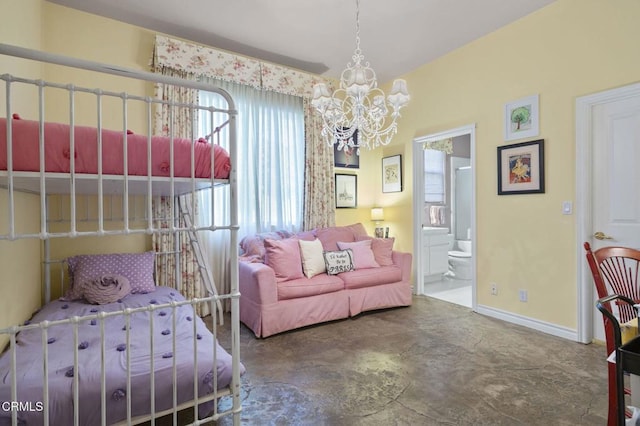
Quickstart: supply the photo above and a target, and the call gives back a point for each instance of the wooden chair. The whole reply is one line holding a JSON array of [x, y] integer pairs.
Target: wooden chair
[[615, 272]]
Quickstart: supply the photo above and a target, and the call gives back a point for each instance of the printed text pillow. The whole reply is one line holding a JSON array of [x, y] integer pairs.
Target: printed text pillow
[[338, 261]]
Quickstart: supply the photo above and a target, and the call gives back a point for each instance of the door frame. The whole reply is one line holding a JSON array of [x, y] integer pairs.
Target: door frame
[[418, 202], [584, 200]]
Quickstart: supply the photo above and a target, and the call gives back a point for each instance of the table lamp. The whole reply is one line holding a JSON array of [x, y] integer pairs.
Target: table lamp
[[377, 215]]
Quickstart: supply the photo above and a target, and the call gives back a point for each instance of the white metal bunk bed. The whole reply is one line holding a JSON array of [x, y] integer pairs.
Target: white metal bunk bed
[[191, 371]]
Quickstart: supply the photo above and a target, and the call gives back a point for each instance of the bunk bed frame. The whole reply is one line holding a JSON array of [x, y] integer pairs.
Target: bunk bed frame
[[73, 187]]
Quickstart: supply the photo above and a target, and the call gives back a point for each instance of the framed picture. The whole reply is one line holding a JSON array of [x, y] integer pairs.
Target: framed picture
[[392, 174], [346, 191], [346, 157], [521, 168], [521, 118]]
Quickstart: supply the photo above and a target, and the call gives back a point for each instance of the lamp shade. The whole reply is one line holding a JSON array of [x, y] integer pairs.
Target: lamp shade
[[377, 213]]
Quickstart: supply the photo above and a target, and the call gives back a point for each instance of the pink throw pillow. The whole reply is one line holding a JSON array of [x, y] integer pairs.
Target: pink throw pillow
[[253, 245], [283, 256], [362, 254], [382, 249]]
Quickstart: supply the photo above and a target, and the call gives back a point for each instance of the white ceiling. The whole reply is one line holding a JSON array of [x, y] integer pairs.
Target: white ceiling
[[319, 35]]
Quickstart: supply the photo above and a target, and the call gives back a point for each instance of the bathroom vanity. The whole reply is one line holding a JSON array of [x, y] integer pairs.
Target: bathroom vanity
[[435, 252]]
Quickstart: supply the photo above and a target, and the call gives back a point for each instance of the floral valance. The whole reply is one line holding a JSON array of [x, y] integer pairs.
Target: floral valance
[[206, 61], [444, 145]]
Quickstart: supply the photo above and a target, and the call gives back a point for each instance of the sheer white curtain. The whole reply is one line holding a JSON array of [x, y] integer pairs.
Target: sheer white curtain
[[270, 169]]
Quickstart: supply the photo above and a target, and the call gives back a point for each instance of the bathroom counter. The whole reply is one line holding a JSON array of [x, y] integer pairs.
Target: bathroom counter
[[435, 252], [434, 230]]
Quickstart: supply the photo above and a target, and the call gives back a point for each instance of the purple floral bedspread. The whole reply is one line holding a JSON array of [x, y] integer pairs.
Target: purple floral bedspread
[[59, 344]]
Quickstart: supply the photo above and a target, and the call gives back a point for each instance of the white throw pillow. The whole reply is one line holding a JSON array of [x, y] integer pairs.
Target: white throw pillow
[[312, 259]]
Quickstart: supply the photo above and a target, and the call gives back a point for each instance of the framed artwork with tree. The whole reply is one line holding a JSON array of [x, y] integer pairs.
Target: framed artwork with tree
[[521, 118]]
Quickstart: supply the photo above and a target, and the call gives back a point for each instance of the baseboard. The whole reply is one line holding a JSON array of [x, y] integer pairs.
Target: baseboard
[[532, 323]]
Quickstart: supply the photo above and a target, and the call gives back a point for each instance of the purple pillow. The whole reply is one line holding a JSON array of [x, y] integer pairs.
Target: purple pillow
[[138, 268]]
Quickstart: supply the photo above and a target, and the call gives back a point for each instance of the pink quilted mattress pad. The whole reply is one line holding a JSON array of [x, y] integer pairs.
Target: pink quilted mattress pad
[[26, 151]]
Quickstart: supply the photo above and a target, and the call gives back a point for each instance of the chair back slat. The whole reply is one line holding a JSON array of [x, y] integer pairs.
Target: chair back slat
[[621, 276]]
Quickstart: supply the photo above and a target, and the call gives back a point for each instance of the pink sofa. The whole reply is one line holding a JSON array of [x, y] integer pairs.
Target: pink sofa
[[276, 296]]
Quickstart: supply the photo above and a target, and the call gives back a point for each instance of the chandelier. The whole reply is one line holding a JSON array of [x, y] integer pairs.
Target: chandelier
[[356, 115]]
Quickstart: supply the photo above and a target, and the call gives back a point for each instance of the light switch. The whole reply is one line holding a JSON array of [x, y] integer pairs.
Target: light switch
[[567, 207]]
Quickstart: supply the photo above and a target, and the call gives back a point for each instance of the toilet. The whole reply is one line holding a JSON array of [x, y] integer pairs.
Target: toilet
[[460, 262]]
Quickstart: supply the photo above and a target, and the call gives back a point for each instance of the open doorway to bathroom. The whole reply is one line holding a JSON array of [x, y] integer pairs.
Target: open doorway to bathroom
[[444, 212]]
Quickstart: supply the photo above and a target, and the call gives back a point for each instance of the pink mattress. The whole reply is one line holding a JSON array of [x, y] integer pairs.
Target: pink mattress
[[26, 151]]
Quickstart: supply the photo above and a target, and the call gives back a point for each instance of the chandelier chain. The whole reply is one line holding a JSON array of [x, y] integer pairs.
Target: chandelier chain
[[358, 51]]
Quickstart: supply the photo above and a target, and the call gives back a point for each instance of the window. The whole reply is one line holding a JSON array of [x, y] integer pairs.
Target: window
[[434, 168], [270, 155]]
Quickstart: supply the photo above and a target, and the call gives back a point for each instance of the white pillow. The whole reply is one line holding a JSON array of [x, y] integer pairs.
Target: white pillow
[[312, 259]]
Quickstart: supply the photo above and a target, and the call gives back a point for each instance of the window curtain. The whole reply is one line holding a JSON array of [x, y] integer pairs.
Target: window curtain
[[177, 122], [270, 168], [319, 188], [205, 62]]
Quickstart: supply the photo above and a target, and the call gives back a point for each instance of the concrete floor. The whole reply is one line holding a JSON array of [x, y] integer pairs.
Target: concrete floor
[[434, 363]]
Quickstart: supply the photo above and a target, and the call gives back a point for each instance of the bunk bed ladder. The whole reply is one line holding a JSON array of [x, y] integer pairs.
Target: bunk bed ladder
[[205, 274]]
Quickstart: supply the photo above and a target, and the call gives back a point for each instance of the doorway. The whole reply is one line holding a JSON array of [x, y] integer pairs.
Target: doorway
[[445, 226], [607, 154]]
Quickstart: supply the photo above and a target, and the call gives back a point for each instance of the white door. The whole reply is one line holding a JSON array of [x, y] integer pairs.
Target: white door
[[616, 173], [615, 180]]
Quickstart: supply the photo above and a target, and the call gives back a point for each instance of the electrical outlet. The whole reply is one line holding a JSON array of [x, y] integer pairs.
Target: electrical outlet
[[523, 295], [494, 289]]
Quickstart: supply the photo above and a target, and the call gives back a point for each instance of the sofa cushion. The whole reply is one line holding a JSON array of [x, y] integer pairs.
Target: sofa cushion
[[305, 287], [330, 236], [357, 229], [382, 249], [312, 258], [283, 256], [371, 276], [306, 235], [362, 254]]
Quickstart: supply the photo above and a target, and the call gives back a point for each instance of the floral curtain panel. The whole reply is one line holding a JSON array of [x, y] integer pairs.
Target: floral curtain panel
[[319, 199], [179, 122]]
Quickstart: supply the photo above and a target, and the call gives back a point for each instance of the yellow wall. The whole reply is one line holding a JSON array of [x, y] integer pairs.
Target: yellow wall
[[20, 260], [40, 25], [106, 41], [563, 51]]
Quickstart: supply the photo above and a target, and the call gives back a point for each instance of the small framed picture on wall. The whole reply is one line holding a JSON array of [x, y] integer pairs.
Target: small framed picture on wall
[[521, 168], [346, 191], [521, 118], [392, 174], [346, 156]]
